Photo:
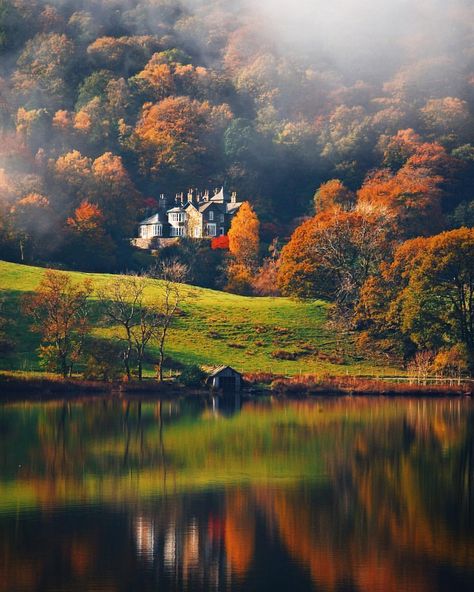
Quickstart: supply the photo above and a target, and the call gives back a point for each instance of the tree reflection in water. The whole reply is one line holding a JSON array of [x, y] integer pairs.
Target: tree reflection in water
[[344, 494]]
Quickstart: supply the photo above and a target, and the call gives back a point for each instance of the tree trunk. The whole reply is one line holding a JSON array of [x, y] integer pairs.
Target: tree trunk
[[140, 370], [126, 362], [64, 367], [160, 364]]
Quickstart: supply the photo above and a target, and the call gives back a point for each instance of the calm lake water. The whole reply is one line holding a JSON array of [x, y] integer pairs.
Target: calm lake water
[[332, 495]]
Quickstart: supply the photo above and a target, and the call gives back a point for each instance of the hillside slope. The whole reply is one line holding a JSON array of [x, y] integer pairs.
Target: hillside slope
[[215, 328]]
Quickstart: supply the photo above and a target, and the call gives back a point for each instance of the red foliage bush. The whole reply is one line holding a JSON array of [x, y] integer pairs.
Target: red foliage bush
[[220, 242]]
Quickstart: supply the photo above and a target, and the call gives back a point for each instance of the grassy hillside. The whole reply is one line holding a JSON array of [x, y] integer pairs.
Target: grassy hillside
[[216, 328]]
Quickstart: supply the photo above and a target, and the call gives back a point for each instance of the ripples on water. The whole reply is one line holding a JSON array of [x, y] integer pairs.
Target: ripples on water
[[340, 495]]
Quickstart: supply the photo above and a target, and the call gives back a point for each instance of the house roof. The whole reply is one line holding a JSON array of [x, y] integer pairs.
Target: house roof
[[231, 208], [218, 196], [217, 371], [203, 207], [155, 219], [176, 209]]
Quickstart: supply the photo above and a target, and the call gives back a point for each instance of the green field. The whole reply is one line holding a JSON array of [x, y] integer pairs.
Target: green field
[[215, 328]]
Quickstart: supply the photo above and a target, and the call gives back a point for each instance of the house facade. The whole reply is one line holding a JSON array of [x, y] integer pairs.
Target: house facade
[[198, 215]]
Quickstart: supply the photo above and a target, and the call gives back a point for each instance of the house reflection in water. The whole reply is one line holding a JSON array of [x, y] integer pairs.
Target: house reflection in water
[[187, 553], [145, 538]]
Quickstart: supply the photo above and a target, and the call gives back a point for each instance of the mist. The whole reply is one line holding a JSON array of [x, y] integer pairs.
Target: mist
[[365, 37]]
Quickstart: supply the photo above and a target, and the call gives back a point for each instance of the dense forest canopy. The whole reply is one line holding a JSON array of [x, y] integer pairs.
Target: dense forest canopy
[[111, 103]]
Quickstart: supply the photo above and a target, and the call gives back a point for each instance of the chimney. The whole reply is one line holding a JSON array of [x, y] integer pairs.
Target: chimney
[[206, 195], [233, 197], [190, 196], [176, 199], [162, 202], [181, 197]]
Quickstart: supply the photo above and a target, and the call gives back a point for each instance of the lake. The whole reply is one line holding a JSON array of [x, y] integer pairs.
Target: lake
[[337, 495]]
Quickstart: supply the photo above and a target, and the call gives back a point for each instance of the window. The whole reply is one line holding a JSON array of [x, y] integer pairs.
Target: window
[[177, 231], [197, 232], [221, 218], [211, 229], [211, 216], [177, 217], [222, 231], [157, 229]]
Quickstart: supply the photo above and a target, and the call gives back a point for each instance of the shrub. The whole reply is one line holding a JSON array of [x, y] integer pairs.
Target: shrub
[[103, 361], [452, 362], [192, 376], [220, 242]]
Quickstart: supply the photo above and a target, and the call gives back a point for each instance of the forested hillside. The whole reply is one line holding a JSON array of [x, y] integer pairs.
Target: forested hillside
[[108, 104]]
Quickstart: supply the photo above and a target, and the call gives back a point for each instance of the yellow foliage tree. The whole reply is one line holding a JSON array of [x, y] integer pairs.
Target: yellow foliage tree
[[244, 245]]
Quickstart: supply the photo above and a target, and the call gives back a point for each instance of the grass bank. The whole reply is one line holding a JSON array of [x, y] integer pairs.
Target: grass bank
[[275, 335]]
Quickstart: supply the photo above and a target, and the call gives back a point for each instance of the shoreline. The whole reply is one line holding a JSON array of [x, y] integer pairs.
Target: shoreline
[[49, 388]]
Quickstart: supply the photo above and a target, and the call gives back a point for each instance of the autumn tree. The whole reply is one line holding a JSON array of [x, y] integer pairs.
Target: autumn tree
[[104, 182], [425, 297], [438, 304], [243, 236], [115, 193], [447, 119], [333, 194], [43, 67], [59, 311], [72, 175], [126, 55], [32, 126], [88, 246], [332, 254], [244, 244], [397, 149], [176, 134], [412, 195], [155, 81]]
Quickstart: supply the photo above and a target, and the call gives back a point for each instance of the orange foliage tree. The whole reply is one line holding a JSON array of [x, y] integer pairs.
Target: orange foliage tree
[[156, 79], [332, 254], [412, 194], [333, 194], [244, 244], [176, 133]]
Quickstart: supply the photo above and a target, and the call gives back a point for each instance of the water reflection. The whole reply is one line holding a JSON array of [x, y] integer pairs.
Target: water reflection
[[342, 495]]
